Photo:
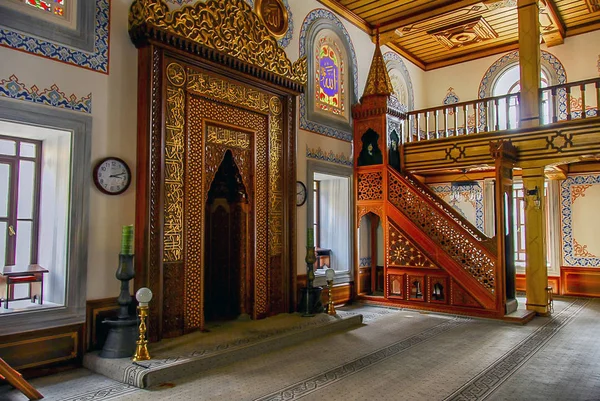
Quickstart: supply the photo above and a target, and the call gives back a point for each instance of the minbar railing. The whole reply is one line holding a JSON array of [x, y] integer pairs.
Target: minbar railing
[[557, 103]]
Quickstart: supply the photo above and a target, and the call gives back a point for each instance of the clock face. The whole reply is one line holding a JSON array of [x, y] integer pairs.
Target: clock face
[[300, 193], [112, 176]]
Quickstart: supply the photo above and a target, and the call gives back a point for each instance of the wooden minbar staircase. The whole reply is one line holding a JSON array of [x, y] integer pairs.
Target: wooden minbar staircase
[[434, 259]]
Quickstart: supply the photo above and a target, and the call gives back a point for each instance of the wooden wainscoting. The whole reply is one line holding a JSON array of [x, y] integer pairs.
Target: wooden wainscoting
[[342, 293], [96, 311], [553, 281], [42, 352], [580, 281]]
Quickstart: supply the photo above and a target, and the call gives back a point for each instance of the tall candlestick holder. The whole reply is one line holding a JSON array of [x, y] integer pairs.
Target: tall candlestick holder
[[143, 295], [120, 341], [330, 274], [310, 260]]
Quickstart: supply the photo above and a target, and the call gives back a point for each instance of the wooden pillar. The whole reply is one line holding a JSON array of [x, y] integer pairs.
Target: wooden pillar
[[529, 61], [535, 240], [505, 155]]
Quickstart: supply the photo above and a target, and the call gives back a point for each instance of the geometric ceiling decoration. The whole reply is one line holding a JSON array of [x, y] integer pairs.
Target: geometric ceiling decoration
[[594, 5], [437, 33], [464, 33]]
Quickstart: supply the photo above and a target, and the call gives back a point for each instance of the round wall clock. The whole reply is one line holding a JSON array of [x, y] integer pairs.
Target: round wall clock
[[112, 176], [300, 193]]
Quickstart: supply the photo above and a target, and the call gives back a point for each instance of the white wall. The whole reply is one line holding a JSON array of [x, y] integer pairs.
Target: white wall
[[114, 113]]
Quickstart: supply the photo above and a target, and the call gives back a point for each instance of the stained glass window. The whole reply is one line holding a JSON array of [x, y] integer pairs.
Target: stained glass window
[[329, 77], [56, 7]]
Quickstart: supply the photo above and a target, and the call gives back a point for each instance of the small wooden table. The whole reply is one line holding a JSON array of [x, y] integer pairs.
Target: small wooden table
[[19, 274]]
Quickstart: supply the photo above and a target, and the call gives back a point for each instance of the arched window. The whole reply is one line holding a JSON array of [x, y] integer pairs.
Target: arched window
[[400, 79], [333, 79], [502, 77], [329, 77], [508, 82]]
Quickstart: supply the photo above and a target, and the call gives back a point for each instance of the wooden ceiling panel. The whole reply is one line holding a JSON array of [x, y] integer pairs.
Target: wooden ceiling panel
[[437, 33]]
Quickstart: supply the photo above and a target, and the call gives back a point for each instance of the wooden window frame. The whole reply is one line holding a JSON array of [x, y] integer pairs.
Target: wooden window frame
[[12, 219]]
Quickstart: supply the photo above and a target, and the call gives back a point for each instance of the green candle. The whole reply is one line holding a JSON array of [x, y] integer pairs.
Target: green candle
[[310, 238], [127, 240]]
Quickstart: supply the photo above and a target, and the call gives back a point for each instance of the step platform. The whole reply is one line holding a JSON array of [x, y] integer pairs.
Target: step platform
[[224, 343]]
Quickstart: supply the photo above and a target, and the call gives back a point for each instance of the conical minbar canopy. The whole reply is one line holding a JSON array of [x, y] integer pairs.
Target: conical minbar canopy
[[378, 81]]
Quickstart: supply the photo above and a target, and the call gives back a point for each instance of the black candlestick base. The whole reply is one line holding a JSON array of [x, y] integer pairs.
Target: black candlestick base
[[314, 304], [120, 342]]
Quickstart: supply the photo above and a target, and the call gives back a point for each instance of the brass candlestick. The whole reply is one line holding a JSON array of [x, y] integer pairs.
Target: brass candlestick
[[330, 274], [143, 295]]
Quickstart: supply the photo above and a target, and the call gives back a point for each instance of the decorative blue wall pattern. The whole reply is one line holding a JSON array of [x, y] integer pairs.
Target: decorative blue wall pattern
[[320, 154], [12, 88], [571, 255], [96, 60]]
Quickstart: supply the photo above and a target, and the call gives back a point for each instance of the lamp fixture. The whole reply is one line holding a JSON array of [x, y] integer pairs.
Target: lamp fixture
[[533, 195]]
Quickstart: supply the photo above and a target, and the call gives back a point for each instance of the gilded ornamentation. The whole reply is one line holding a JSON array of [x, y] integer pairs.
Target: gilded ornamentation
[[195, 216], [227, 137], [154, 274], [378, 80], [275, 185], [581, 250], [274, 15], [227, 26], [174, 150], [370, 186], [223, 90], [457, 243], [403, 253], [176, 74], [275, 106], [577, 191]]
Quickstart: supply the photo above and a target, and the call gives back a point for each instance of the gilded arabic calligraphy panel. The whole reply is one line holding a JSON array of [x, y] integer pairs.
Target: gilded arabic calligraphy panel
[[173, 181]]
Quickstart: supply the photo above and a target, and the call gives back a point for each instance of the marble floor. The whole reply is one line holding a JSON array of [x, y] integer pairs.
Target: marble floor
[[394, 355]]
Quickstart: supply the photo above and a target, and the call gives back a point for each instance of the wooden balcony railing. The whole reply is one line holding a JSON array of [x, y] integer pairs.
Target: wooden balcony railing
[[568, 101], [575, 100], [482, 115]]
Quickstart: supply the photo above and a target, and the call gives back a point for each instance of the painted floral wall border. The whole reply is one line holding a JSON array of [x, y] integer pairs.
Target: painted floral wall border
[[320, 154], [572, 251], [95, 61], [14, 89]]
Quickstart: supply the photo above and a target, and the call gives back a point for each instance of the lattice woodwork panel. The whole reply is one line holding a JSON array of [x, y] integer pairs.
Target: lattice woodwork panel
[[370, 186], [449, 211], [458, 244], [403, 253]]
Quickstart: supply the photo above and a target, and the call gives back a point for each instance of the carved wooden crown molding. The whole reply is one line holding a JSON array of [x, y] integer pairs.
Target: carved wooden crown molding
[[214, 29], [464, 33]]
